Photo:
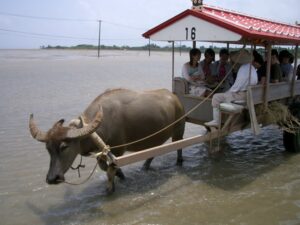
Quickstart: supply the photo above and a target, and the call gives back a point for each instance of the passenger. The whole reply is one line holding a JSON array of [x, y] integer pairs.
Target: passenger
[[259, 64], [207, 64], [246, 76], [286, 59], [276, 73], [298, 72], [193, 73], [222, 68]]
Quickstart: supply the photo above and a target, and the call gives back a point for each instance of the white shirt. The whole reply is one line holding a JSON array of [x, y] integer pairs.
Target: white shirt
[[242, 79]]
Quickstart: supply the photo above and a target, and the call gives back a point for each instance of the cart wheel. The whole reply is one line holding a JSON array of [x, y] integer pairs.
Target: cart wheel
[[292, 141]]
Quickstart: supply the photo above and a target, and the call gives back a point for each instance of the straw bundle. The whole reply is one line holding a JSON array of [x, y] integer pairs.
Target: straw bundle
[[277, 113]]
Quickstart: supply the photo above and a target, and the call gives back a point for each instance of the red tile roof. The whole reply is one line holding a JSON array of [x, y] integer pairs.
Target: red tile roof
[[251, 28]]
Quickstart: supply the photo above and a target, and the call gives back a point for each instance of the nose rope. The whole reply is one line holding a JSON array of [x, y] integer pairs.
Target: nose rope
[[84, 181], [78, 167]]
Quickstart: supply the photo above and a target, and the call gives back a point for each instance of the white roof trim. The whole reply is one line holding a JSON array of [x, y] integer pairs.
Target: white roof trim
[[204, 31]]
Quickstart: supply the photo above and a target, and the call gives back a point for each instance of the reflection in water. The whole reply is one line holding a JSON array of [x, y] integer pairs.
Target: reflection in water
[[251, 181]]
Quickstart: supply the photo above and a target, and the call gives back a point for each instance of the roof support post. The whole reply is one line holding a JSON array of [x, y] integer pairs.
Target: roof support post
[[149, 47], [295, 71], [267, 82], [99, 39], [194, 44], [173, 65]]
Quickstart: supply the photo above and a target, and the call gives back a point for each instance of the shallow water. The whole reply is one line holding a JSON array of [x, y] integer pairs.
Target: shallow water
[[252, 181]]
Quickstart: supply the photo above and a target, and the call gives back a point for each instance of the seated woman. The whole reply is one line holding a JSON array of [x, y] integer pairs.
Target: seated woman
[[193, 73], [276, 72], [259, 64], [286, 59]]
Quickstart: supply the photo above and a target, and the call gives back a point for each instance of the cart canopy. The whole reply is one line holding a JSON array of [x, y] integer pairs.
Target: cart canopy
[[215, 24]]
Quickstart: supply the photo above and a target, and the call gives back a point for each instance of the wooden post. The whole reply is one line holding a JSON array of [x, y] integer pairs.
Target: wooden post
[[149, 48], [267, 83], [250, 104], [295, 71], [99, 38], [180, 48], [173, 65]]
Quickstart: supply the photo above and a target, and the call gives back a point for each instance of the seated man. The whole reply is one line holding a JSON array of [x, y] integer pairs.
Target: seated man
[[246, 76], [222, 68], [193, 73]]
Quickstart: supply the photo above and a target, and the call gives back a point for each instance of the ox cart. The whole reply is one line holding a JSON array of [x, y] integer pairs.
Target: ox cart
[[165, 114], [211, 24]]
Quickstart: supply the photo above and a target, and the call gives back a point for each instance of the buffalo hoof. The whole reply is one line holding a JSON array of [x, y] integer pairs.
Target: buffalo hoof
[[147, 164], [145, 167], [179, 162], [120, 174], [110, 190]]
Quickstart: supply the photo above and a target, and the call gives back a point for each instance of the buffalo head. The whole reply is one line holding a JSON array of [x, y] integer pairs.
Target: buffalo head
[[63, 144]]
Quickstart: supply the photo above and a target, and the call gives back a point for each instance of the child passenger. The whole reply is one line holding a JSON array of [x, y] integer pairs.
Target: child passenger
[[223, 68], [207, 64]]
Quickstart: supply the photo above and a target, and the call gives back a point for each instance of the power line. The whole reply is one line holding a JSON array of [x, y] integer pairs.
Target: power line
[[67, 37], [48, 18], [46, 35], [69, 19]]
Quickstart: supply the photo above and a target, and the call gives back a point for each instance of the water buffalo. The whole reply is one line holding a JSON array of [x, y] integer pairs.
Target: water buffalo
[[118, 116]]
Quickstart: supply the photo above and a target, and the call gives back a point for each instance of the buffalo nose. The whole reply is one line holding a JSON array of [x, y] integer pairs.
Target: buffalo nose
[[55, 179]]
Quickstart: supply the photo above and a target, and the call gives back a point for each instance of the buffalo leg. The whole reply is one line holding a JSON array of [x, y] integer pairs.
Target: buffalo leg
[[103, 165], [111, 172], [120, 174], [179, 157], [146, 165], [178, 135]]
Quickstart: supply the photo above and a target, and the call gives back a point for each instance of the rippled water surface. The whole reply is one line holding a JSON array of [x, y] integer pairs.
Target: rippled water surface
[[251, 181]]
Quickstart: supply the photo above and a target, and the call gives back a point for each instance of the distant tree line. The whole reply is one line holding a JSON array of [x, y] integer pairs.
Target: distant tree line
[[155, 47]]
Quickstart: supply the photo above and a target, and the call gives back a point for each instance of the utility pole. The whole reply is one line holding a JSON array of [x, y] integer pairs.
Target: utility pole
[[149, 48], [99, 38]]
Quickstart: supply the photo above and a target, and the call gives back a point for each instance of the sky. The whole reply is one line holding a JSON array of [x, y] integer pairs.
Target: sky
[[36, 23]]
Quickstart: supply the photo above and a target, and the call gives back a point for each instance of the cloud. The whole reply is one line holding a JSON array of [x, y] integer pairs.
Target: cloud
[[89, 7]]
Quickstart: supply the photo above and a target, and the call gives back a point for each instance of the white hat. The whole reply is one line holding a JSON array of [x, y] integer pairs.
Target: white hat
[[242, 56]]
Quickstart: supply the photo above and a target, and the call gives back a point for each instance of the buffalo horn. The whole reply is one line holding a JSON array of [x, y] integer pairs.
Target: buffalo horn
[[35, 132], [86, 130]]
